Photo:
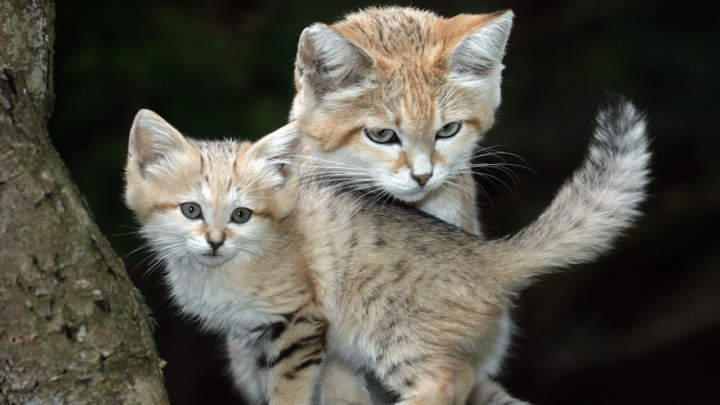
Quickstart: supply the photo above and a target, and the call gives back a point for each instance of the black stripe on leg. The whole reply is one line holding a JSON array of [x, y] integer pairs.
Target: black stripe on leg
[[289, 317], [277, 329], [262, 361], [307, 363], [289, 351], [285, 353]]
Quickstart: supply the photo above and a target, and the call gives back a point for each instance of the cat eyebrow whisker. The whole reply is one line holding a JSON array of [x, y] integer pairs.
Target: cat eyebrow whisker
[[455, 90]]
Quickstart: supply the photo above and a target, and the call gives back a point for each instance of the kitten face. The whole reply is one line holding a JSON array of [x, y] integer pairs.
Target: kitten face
[[398, 98], [197, 224], [195, 207], [414, 161]]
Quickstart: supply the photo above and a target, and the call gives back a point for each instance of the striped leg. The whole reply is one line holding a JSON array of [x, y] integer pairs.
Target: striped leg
[[291, 355]]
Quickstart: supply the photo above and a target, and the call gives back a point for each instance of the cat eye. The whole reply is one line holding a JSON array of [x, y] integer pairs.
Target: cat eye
[[241, 215], [191, 210], [448, 130], [382, 136]]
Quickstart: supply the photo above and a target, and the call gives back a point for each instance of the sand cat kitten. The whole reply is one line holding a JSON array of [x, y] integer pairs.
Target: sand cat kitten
[[303, 269], [403, 96], [396, 99]]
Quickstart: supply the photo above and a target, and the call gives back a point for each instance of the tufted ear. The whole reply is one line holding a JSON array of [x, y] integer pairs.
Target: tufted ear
[[279, 152], [152, 139], [328, 61], [476, 60]]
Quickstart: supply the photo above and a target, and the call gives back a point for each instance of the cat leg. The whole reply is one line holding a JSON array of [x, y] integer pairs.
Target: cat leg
[[293, 383], [292, 356], [434, 383], [247, 376], [491, 393], [340, 385]]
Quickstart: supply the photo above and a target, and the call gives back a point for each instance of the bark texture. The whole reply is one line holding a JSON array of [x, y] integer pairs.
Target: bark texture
[[73, 329]]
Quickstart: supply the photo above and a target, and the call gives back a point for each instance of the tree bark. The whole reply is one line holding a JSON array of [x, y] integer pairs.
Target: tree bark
[[73, 329]]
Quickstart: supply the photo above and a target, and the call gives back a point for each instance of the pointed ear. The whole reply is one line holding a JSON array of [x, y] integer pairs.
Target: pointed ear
[[279, 153], [152, 139], [328, 61], [479, 54]]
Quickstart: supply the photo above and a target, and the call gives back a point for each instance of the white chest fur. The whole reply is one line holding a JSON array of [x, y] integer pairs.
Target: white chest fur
[[208, 295]]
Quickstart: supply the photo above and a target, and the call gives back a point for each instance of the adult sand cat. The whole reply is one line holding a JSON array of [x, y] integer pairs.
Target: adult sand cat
[[395, 100], [304, 269]]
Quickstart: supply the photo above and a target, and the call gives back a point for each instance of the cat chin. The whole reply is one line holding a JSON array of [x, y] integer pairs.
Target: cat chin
[[412, 195], [209, 260]]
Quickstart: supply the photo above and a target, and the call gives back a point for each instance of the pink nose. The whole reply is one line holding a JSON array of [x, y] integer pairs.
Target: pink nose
[[421, 179]]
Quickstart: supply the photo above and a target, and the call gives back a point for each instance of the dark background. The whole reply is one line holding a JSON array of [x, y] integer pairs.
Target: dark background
[[641, 326]]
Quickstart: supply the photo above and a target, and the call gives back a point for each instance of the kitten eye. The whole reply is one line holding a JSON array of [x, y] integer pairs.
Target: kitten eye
[[241, 215], [191, 210], [448, 130], [382, 136]]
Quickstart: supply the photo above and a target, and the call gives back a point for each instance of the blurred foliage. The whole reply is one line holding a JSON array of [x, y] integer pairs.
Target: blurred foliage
[[641, 326]]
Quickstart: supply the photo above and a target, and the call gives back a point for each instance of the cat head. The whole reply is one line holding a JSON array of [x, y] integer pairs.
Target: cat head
[[400, 97], [208, 202]]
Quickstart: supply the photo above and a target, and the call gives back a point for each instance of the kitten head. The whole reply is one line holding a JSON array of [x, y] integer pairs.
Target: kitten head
[[398, 96], [208, 203]]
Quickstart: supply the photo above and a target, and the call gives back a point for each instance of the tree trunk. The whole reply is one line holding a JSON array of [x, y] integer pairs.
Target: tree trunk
[[73, 329]]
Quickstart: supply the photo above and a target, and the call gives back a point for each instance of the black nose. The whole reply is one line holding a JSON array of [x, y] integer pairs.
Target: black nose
[[421, 179], [215, 245]]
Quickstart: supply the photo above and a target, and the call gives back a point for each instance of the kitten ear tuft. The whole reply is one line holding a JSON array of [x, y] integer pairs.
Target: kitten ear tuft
[[479, 54], [328, 61], [280, 152], [152, 139]]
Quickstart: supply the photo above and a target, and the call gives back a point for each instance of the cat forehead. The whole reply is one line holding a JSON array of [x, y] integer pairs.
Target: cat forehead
[[394, 32], [418, 105], [218, 153], [222, 163], [388, 30]]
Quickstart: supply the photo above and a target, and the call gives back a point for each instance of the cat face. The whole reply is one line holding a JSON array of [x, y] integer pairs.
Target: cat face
[[206, 204], [397, 98]]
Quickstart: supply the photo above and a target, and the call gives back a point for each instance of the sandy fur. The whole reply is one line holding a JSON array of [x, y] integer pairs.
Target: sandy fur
[[323, 270]]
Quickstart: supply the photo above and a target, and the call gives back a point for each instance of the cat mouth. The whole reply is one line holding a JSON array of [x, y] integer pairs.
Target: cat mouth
[[411, 194], [212, 258]]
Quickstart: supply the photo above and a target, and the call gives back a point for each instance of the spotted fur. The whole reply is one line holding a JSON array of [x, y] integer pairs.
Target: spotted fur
[[322, 270]]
